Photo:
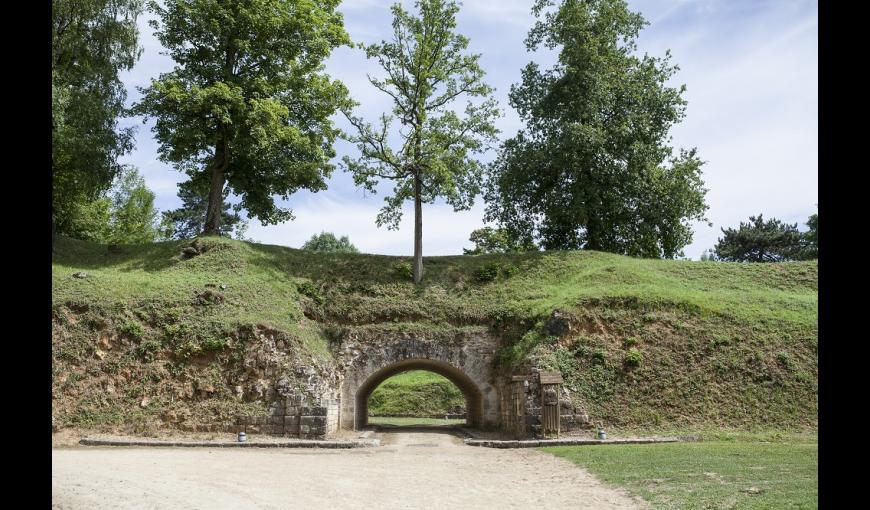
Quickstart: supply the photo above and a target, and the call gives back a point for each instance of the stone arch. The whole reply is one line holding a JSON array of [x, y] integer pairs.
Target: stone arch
[[473, 394], [466, 360]]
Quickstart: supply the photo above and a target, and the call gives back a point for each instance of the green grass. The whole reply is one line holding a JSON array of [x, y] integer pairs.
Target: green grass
[[743, 474], [718, 344], [416, 393], [401, 421]]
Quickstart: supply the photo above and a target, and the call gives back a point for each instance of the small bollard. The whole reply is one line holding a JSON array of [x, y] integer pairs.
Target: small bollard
[[242, 437], [601, 435]]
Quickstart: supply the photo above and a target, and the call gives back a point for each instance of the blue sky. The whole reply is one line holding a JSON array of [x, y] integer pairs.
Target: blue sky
[[751, 71]]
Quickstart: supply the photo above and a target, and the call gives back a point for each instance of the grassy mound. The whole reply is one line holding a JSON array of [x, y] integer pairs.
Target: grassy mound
[[152, 336], [416, 393]]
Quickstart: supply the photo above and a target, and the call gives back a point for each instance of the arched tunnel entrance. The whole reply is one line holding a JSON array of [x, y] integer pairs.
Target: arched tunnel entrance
[[473, 394]]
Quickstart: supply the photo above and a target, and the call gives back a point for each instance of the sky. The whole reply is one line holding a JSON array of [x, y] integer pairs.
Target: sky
[[751, 72]]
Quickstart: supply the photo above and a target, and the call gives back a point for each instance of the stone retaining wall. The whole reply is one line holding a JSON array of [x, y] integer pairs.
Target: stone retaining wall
[[293, 417]]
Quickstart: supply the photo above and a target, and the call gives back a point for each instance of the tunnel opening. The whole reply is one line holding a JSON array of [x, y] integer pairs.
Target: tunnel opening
[[417, 397], [472, 394]]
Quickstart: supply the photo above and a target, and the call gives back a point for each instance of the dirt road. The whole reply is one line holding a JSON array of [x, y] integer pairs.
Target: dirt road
[[410, 470]]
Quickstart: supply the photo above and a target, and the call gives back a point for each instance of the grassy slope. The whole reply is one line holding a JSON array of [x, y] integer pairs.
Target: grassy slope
[[740, 472], [416, 394], [720, 343]]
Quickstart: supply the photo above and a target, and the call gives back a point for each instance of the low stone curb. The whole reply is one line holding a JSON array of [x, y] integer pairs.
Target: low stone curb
[[536, 443], [366, 443]]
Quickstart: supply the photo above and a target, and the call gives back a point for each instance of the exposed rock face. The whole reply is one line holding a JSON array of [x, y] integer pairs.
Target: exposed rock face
[[559, 323]]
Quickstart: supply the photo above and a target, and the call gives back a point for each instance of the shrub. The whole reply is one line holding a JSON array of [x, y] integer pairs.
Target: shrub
[[132, 330], [404, 269], [213, 344], [785, 360], [147, 350], [599, 356], [307, 288], [487, 272], [629, 342], [510, 270], [633, 358], [186, 350], [176, 332]]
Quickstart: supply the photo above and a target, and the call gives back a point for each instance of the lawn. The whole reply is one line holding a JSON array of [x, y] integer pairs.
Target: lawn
[[416, 393], [404, 421], [744, 474]]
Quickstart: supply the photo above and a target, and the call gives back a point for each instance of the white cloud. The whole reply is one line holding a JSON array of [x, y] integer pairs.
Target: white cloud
[[751, 67]]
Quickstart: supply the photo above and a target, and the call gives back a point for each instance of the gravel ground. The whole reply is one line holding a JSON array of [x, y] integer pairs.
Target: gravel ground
[[410, 470]]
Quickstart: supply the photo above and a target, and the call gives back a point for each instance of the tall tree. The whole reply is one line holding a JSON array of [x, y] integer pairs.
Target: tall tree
[[91, 42], [810, 239], [123, 215], [326, 242], [427, 71], [247, 103], [593, 169], [188, 221], [760, 241]]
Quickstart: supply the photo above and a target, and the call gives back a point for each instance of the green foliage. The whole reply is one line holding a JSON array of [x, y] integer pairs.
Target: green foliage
[[599, 357], [785, 360], [188, 221], [633, 357], [760, 241], [491, 270], [125, 215], [326, 242], [678, 310], [416, 393], [147, 350], [404, 270], [487, 272], [247, 107], [629, 342], [92, 42], [427, 71], [810, 239], [593, 168], [131, 329], [307, 288], [496, 240]]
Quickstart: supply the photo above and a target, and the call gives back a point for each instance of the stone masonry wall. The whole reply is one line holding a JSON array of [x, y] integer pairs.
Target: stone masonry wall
[[572, 419], [294, 417]]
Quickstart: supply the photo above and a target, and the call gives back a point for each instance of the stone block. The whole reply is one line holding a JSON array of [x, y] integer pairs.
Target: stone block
[[313, 421], [291, 424], [313, 411]]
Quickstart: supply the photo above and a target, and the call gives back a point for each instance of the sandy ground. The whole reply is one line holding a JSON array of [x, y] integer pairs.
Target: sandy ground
[[410, 470]]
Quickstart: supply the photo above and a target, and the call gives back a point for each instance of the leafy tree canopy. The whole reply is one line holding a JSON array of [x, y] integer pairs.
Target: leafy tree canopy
[[427, 72], [760, 241], [247, 103], [593, 168], [496, 240], [810, 238], [124, 215], [188, 221], [326, 242], [92, 41]]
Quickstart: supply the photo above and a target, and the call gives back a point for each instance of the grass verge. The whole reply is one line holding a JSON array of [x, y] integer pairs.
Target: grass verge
[[740, 473]]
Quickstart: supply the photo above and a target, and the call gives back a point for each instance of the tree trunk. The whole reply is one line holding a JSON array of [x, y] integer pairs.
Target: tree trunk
[[418, 232], [216, 193]]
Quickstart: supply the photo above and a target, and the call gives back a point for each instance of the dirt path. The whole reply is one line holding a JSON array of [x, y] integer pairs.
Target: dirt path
[[409, 470]]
